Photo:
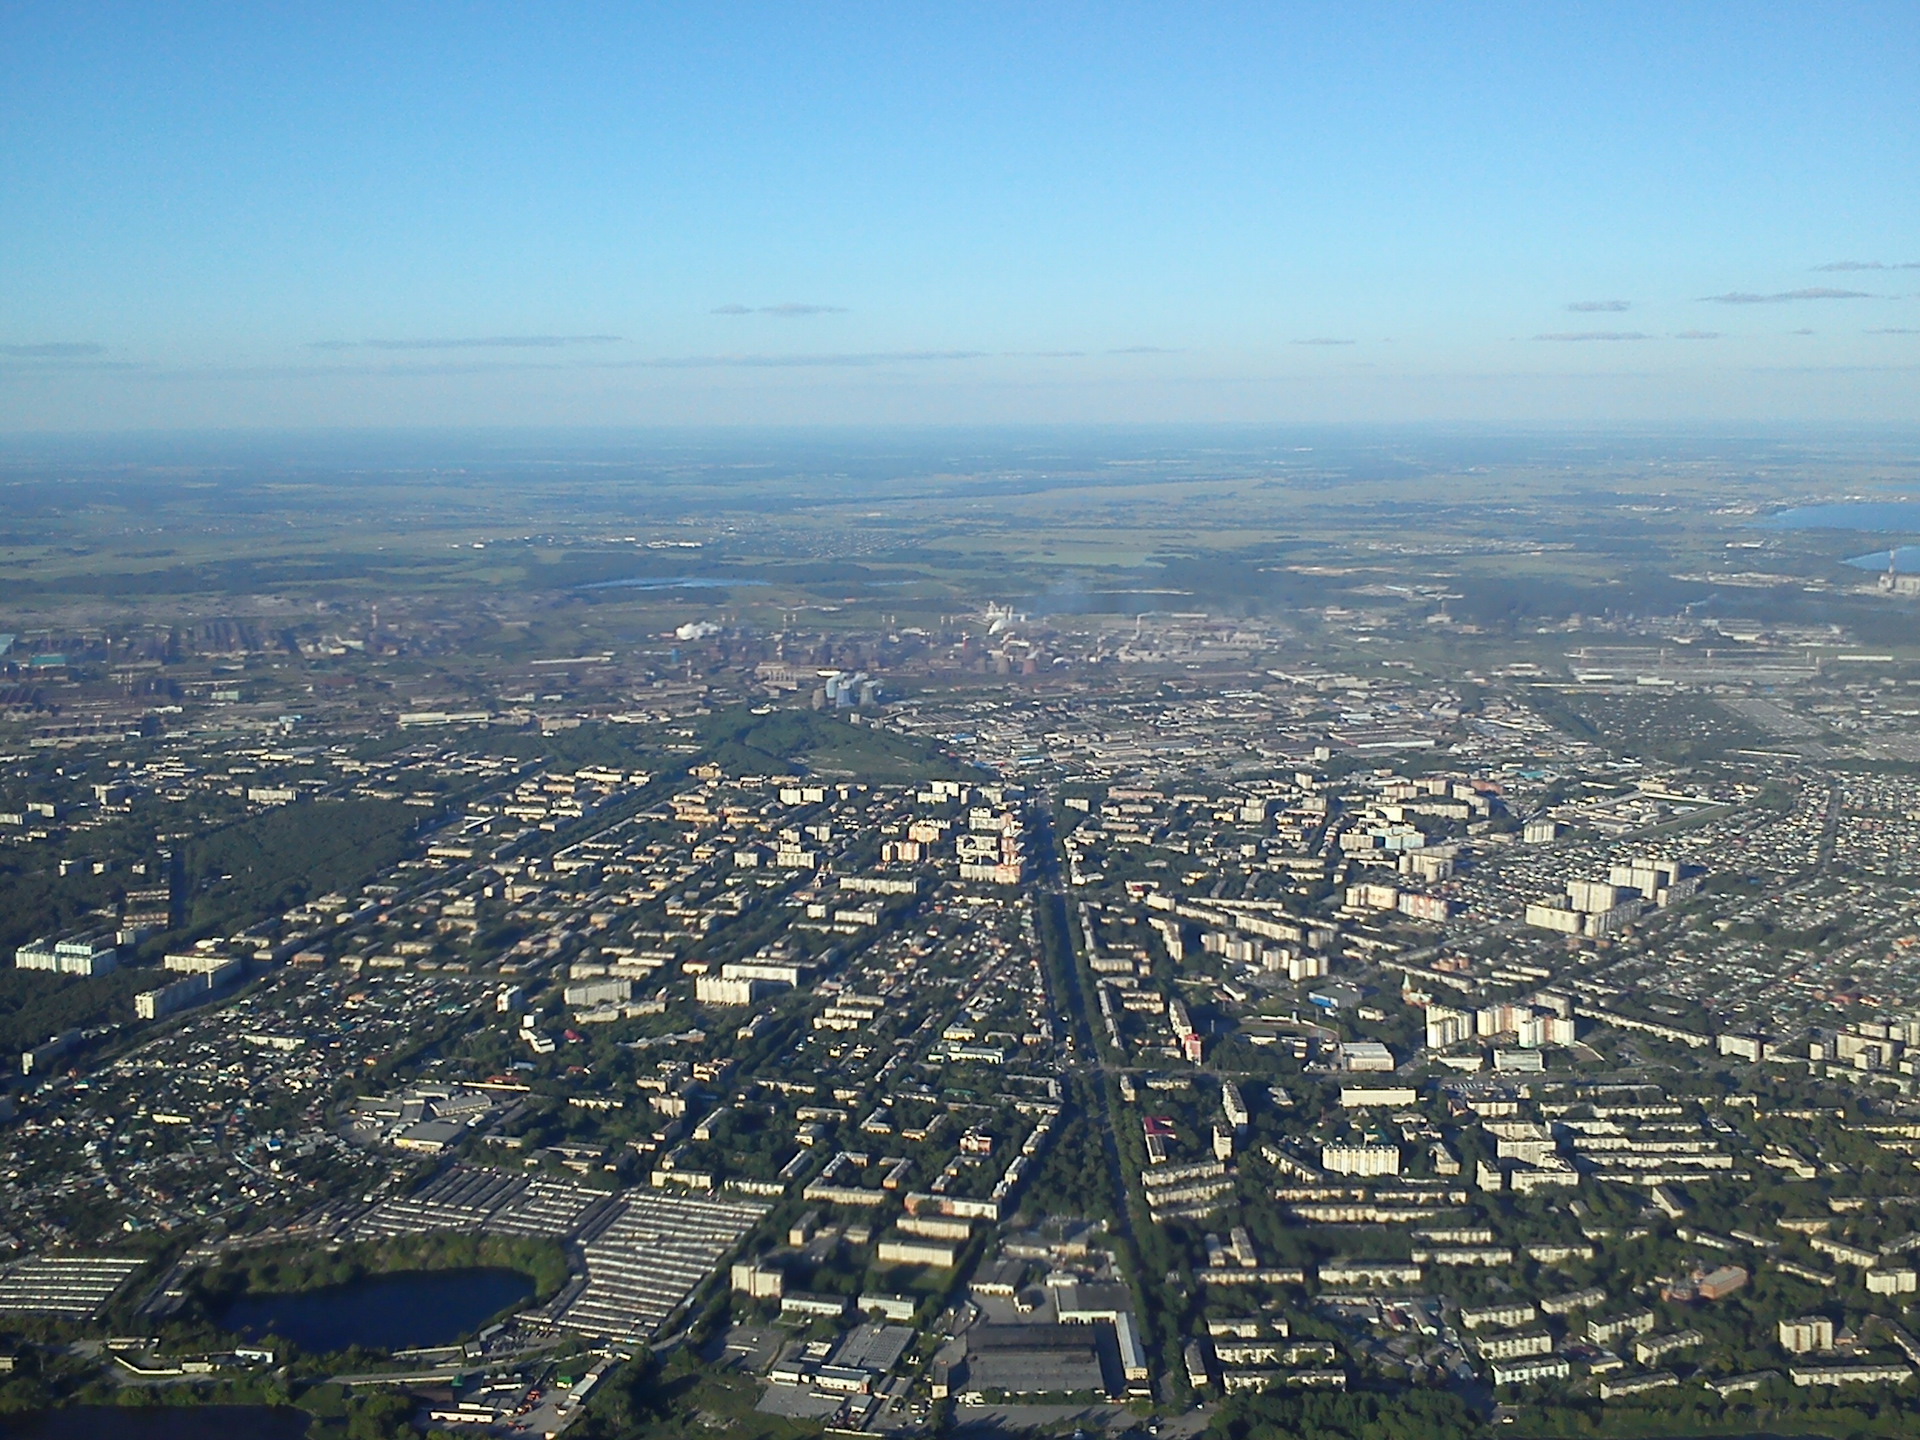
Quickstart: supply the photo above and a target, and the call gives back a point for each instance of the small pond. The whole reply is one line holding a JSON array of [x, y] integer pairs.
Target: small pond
[[161, 1422], [382, 1312]]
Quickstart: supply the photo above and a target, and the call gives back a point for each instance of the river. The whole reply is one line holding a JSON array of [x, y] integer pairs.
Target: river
[[1871, 516]]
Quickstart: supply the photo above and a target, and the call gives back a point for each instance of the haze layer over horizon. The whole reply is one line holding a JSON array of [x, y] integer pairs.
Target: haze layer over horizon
[[857, 216]]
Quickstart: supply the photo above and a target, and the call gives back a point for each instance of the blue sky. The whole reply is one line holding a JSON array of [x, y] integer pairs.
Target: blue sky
[[280, 215]]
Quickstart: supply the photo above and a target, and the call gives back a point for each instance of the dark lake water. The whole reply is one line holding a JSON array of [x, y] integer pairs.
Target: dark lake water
[[197, 1422], [382, 1312], [1890, 516]]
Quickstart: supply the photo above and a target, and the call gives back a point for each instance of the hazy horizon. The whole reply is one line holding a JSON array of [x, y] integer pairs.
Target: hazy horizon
[[923, 450], [356, 218]]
